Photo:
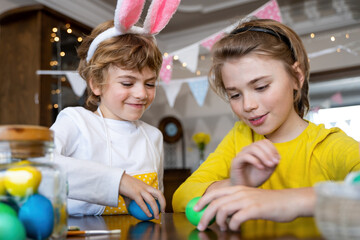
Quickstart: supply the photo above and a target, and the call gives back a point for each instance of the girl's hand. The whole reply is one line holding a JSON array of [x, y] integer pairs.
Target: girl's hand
[[140, 192], [254, 164], [241, 203]]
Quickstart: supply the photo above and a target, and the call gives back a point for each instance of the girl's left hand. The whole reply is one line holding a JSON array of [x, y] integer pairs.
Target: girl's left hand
[[241, 203]]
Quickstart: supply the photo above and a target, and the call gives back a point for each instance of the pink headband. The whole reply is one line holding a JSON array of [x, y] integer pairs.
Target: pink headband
[[128, 12]]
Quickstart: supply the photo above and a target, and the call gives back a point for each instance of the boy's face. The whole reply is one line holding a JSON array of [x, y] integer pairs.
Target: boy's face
[[260, 92], [127, 93]]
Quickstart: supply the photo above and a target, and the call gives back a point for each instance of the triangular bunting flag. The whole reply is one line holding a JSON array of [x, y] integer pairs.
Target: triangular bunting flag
[[348, 122], [166, 69], [337, 98], [209, 42], [189, 56], [326, 104], [270, 10], [199, 90], [77, 83], [171, 91]]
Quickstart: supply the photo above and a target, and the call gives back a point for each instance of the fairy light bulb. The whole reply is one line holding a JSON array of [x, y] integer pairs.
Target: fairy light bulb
[[312, 35], [168, 67], [69, 30], [79, 39], [332, 38], [184, 64], [54, 29], [176, 57], [62, 54], [166, 54]]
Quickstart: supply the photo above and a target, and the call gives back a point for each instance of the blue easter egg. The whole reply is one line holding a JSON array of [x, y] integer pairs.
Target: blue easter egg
[[37, 215], [10, 227], [135, 211]]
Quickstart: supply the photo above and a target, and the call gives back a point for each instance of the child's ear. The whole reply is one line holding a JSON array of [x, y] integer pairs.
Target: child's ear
[[299, 75], [94, 88]]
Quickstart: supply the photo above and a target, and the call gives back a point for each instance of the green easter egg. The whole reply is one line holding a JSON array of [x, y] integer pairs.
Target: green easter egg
[[11, 228], [193, 216], [6, 209]]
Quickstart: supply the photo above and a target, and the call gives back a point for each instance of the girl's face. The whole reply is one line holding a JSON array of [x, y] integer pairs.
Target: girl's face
[[127, 94], [260, 92]]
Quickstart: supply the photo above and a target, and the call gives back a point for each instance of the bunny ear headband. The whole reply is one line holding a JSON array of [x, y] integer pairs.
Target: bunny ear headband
[[128, 12]]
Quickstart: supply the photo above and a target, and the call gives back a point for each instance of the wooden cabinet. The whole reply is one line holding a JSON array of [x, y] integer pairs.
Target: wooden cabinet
[[25, 47]]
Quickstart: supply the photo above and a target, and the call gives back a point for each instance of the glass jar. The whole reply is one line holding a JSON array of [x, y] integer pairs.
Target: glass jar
[[32, 187]]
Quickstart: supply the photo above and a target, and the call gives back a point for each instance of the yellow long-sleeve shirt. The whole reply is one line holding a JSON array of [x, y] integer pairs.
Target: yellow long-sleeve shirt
[[317, 154]]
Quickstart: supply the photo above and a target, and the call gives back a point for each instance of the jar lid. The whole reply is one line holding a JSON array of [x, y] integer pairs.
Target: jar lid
[[25, 133]]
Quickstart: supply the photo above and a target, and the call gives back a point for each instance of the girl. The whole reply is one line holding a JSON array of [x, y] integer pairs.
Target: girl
[[108, 154], [266, 166]]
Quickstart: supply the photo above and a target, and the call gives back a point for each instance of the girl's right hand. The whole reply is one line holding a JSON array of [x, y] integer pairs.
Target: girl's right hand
[[254, 164], [140, 192]]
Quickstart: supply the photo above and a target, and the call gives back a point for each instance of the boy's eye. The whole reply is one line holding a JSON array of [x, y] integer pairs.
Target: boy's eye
[[126, 84], [150, 85]]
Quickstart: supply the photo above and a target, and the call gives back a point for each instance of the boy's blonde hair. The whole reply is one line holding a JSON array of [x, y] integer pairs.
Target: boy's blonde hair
[[285, 46], [128, 51]]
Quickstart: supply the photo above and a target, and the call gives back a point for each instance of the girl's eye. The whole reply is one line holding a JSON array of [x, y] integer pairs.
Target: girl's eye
[[234, 96], [262, 87]]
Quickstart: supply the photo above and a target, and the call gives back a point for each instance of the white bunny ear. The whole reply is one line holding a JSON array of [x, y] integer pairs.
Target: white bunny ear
[[159, 15], [127, 13]]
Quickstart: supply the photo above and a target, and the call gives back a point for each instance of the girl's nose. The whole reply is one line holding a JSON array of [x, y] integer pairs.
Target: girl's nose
[[249, 102]]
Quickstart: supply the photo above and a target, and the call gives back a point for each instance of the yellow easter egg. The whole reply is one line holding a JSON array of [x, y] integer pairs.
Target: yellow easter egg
[[22, 181], [2, 186]]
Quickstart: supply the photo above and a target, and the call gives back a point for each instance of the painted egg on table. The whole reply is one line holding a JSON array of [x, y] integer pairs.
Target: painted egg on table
[[193, 216], [37, 215], [10, 227], [6, 209], [22, 181], [135, 211], [2, 186]]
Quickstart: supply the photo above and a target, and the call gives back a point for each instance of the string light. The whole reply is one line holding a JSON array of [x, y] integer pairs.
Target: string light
[[347, 36], [176, 57], [202, 57], [67, 25], [56, 105], [338, 50], [63, 79], [312, 35], [198, 72], [53, 34], [49, 106], [54, 29], [168, 67], [62, 54], [332, 38], [69, 30], [56, 39], [166, 54], [184, 64], [79, 39]]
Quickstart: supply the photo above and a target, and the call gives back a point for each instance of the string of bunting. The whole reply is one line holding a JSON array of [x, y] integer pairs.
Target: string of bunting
[[189, 55]]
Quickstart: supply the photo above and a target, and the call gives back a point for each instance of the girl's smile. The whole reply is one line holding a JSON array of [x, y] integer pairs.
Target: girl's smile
[[261, 94]]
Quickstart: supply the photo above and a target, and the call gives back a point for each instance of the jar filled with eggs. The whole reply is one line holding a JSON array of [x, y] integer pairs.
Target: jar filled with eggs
[[32, 187]]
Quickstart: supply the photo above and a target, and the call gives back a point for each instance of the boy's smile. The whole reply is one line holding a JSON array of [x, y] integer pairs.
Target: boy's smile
[[127, 93]]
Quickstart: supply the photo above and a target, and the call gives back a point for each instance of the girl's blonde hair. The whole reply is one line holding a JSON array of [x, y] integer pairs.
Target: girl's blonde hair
[[268, 38], [127, 51]]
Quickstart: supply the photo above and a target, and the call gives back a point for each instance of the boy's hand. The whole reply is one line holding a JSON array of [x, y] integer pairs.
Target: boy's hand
[[139, 191], [254, 164]]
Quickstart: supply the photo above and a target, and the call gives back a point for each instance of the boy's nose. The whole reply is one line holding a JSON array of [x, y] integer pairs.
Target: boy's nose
[[140, 92]]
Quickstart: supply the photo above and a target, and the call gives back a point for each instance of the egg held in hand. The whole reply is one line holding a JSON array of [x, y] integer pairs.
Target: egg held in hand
[[135, 211], [193, 216]]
